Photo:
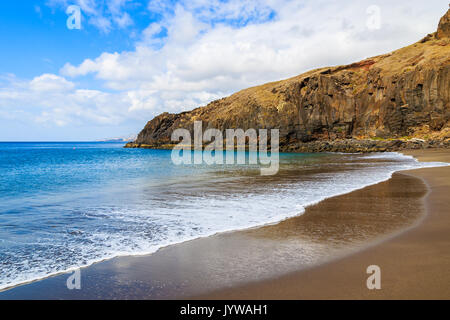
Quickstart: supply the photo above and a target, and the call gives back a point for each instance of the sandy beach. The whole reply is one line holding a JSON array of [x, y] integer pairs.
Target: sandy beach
[[191, 153], [401, 225], [414, 264]]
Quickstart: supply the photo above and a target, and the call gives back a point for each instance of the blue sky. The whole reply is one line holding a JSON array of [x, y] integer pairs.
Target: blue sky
[[38, 41], [132, 60]]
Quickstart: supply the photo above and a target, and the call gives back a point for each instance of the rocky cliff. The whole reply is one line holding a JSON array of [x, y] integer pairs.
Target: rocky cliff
[[388, 102]]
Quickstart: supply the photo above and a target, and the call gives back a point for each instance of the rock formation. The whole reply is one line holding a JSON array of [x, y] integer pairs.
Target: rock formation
[[388, 102]]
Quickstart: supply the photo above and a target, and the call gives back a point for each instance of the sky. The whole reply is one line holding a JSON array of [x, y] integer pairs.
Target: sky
[[128, 61]]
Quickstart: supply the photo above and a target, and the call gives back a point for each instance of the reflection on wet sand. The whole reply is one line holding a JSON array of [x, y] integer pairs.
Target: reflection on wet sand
[[333, 227]]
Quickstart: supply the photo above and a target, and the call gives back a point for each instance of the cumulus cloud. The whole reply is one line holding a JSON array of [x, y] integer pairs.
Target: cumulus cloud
[[50, 82], [51, 99], [202, 50], [204, 54]]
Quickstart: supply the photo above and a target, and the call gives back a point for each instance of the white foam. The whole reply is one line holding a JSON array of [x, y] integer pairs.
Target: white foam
[[146, 227]]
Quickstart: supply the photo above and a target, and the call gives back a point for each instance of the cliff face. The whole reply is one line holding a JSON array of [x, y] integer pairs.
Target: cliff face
[[405, 93]]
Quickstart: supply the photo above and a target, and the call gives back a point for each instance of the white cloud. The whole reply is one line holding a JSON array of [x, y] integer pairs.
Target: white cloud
[[205, 56], [51, 99], [50, 82], [209, 50]]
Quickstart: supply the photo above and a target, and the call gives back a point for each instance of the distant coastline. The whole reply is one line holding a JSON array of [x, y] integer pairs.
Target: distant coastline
[[125, 139]]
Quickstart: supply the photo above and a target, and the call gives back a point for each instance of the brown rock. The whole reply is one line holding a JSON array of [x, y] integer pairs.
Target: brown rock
[[444, 26], [388, 96]]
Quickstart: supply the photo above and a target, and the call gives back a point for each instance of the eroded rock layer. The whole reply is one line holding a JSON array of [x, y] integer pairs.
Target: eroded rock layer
[[387, 102]]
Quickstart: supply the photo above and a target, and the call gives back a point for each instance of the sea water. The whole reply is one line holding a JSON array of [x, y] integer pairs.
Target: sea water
[[68, 205]]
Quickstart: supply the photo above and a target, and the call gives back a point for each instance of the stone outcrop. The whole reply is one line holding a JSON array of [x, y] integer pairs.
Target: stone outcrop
[[364, 106], [444, 27]]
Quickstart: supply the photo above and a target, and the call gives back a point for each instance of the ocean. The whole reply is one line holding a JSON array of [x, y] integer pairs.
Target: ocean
[[69, 205]]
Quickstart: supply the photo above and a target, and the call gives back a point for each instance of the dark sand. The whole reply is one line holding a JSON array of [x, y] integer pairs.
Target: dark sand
[[414, 264], [248, 264]]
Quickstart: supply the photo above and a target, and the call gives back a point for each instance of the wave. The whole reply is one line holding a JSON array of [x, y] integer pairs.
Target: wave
[[177, 213]]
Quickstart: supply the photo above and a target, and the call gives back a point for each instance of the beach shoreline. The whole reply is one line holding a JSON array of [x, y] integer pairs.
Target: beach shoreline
[[414, 263], [184, 262]]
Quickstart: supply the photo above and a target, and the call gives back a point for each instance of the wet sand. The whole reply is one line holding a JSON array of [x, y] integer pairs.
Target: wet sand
[[414, 264], [248, 264]]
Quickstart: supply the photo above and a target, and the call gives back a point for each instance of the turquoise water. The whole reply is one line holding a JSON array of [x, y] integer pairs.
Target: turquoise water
[[66, 205]]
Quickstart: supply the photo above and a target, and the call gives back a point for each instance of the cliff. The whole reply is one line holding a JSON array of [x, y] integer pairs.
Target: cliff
[[388, 102]]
